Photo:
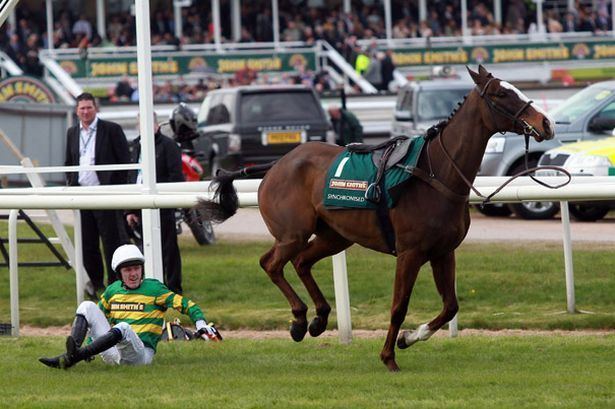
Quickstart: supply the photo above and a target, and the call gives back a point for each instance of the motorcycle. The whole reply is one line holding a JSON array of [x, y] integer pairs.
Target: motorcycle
[[202, 230]]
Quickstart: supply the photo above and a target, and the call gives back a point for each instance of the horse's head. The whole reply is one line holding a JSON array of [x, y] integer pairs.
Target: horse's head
[[508, 109]]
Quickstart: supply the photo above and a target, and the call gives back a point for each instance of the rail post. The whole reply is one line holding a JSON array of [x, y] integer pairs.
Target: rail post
[[14, 272]]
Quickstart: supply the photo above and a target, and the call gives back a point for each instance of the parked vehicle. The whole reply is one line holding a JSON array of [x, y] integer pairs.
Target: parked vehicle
[[181, 127], [422, 104], [588, 114], [257, 124], [202, 230], [587, 158]]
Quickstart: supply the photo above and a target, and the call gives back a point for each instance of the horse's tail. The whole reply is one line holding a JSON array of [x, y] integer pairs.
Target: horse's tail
[[225, 202]]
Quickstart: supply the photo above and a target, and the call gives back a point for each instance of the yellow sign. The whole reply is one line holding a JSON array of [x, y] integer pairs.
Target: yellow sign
[[604, 51], [119, 68], [25, 89], [283, 137], [256, 64], [459, 56]]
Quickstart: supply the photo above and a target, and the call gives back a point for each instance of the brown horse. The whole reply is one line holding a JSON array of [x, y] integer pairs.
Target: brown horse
[[430, 219]]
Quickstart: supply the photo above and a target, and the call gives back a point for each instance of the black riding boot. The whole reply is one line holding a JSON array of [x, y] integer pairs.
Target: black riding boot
[[54, 362], [74, 354], [78, 331]]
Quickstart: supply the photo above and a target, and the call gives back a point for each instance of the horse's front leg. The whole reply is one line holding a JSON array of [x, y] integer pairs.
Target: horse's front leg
[[408, 265], [444, 277]]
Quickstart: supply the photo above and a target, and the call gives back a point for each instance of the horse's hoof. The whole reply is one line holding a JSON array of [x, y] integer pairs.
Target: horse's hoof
[[403, 342], [298, 330], [317, 326], [392, 365]]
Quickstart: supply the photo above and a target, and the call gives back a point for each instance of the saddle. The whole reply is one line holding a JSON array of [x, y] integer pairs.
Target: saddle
[[399, 145], [385, 155]]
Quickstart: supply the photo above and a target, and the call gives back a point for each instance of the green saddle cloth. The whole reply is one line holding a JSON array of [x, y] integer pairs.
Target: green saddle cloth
[[352, 173]]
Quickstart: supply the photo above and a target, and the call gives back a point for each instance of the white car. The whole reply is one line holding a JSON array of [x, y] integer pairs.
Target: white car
[[586, 158]]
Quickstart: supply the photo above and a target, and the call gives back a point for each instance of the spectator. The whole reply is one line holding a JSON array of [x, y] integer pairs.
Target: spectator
[[424, 30], [388, 68], [264, 29], [586, 22], [94, 141], [24, 30], [168, 169], [373, 74], [347, 127], [115, 26], [322, 82], [31, 63], [160, 25], [14, 49], [83, 26], [362, 61], [123, 89], [553, 24], [570, 22], [516, 11], [292, 32], [133, 338], [602, 22], [400, 30]]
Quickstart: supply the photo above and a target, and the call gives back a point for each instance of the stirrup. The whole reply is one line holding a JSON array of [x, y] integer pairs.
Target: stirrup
[[373, 193]]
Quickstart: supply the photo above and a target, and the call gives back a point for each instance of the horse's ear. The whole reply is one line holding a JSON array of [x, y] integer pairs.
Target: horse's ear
[[483, 71], [475, 76]]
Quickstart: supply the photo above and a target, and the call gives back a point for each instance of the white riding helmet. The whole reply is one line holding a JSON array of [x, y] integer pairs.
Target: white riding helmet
[[126, 255]]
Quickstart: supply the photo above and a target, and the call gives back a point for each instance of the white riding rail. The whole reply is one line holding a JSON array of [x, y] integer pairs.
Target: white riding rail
[[182, 195]]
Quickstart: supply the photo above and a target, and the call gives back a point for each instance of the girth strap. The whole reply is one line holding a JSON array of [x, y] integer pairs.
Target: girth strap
[[384, 221]]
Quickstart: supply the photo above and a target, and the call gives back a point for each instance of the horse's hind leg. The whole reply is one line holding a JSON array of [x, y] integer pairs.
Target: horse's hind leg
[[326, 243], [273, 263], [444, 276]]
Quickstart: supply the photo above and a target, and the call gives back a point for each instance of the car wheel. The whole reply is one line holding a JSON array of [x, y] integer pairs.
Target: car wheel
[[494, 210], [532, 210], [588, 212]]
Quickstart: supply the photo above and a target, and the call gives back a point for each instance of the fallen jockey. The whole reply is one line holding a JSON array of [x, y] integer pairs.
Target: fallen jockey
[[127, 323]]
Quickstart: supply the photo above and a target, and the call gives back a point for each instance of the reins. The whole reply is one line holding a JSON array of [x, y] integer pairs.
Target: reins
[[528, 130]]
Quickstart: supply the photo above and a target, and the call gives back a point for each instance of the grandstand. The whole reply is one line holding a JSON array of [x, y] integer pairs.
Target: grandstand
[[200, 45]]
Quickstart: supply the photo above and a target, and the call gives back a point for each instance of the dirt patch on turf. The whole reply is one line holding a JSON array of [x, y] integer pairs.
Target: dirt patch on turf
[[31, 331]]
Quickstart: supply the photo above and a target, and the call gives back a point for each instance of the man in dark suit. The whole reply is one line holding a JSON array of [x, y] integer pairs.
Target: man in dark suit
[[94, 141]]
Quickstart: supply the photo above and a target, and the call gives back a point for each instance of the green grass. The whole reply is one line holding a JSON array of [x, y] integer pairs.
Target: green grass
[[468, 372], [505, 285], [499, 286]]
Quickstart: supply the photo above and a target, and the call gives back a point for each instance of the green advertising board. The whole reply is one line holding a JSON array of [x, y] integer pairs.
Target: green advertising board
[[508, 53], [228, 63]]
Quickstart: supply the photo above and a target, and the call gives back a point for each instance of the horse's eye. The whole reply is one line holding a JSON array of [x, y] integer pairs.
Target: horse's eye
[[500, 94]]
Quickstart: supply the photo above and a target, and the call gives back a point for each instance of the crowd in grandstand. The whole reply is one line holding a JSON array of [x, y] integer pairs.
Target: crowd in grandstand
[[366, 21]]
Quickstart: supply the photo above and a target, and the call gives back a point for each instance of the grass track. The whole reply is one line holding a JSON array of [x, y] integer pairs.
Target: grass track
[[499, 286], [468, 372]]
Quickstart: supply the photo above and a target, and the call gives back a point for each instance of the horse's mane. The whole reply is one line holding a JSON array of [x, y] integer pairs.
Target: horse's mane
[[433, 131]]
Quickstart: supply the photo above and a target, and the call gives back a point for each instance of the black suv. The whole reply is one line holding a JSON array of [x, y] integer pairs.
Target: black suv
[[257, 124]]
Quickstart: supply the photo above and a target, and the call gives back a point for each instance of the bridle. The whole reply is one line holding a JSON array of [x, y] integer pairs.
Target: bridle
[[528, 130]]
